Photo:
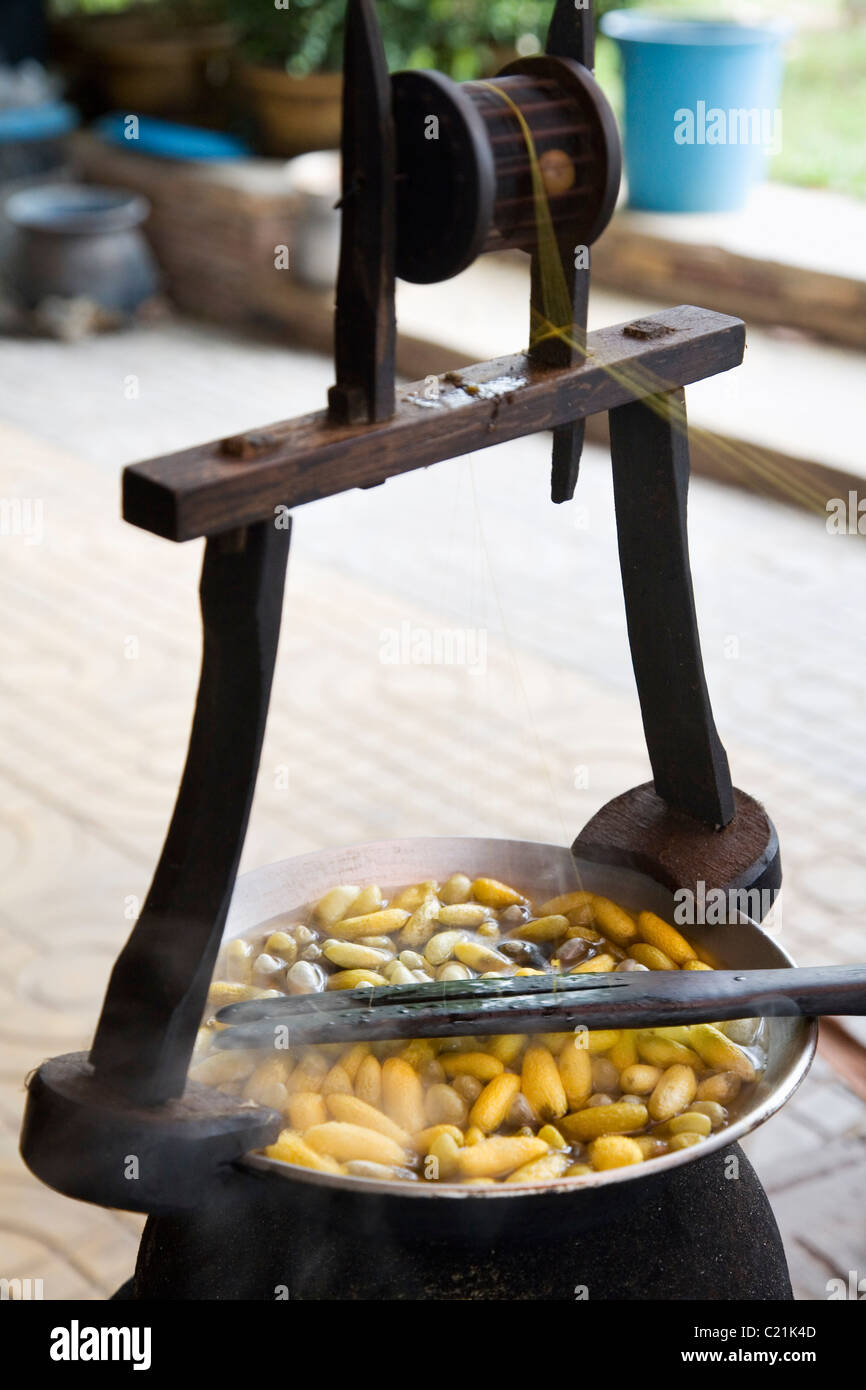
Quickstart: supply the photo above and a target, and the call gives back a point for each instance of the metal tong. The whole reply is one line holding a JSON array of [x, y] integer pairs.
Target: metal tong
[[454, 1008]]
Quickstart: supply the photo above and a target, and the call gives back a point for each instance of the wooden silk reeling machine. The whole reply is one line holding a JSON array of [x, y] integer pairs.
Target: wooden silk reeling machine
[[434, 174]]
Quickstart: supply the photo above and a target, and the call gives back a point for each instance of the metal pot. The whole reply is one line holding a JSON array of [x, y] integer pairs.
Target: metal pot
[[80, 241], [271, 1226]]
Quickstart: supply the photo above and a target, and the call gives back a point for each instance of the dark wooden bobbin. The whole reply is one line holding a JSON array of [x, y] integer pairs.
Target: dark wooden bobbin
[[464, 166], [465, 187]]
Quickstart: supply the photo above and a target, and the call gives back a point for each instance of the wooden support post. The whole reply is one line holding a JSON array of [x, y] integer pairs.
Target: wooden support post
[[571, 35], [572, 32], [365, 326], [650, 453], [159, 984]]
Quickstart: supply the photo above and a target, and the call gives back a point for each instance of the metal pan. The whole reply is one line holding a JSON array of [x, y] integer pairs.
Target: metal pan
[[543, 871]]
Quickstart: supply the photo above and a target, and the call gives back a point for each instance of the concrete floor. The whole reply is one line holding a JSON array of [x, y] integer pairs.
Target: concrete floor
[[100, 646]]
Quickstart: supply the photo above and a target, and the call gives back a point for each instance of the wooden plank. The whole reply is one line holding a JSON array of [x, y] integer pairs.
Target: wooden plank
[[630, 259], [214, 487], [842, 1051]]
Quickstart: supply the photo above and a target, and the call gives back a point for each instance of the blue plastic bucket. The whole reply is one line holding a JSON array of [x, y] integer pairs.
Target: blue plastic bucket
[[702, 115]]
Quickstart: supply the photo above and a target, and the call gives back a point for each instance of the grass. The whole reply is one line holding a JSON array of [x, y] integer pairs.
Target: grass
[[824, 113], [823, 102]]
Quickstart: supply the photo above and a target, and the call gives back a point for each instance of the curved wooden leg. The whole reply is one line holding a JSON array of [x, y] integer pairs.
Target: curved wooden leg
[[650, 454], [159, 984], [123, 1127], [690, 826]]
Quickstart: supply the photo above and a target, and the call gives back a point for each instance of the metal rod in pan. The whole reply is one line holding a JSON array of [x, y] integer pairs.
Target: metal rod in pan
[[480, 1007], [341, 1001]]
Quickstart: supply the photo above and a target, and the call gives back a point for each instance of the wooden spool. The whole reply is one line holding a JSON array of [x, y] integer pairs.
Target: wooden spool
[[464, 167]]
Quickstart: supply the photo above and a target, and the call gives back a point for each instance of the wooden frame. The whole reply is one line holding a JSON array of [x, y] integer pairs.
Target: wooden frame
[[129, 1096], [229, 483]]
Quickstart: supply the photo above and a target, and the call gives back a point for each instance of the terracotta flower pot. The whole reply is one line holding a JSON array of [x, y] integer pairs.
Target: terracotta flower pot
[[132, 64], [294, 114]]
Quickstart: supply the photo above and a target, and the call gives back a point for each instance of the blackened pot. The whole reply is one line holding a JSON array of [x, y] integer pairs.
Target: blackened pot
[[705, 1231]]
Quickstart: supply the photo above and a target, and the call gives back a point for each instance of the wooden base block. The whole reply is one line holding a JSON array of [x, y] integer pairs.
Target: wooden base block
[[640, 831], [89, 1142]]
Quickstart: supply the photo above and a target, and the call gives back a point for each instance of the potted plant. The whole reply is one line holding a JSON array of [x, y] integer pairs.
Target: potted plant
[[293, 56], [153, 57]]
